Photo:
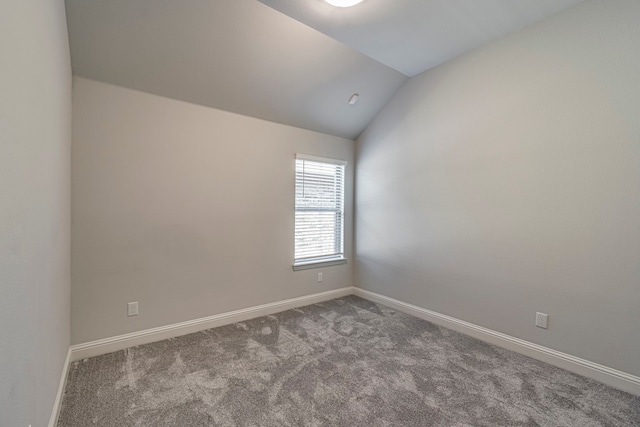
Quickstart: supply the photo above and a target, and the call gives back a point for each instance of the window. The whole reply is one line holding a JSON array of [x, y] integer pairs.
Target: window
[[319, 229]]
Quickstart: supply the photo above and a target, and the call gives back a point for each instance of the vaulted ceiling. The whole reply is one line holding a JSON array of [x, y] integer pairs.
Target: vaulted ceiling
[[412, 36], [292, 62]]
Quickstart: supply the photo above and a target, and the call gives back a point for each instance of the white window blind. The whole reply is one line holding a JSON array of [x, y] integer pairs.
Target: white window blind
[[319, 228]]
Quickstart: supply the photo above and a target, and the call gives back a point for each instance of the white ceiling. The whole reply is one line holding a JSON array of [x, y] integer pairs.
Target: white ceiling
[[235, 55], [264, 59], [412, 36]]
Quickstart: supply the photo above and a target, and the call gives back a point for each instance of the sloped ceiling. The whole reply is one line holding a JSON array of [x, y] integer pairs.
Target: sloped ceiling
[[264, 59], [235, 55], [412, 36]]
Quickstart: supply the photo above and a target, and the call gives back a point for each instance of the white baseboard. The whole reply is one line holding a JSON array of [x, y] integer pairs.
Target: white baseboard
[[55, 412], [604, 374], [120, 342]]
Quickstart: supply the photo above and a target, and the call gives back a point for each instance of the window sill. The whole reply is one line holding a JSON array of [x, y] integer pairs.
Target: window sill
[[318, 264]]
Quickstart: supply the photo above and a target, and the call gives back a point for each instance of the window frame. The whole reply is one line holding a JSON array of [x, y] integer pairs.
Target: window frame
[[326, 260]]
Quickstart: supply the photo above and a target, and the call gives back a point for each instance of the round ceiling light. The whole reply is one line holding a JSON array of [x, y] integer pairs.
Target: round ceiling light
[[343, 3]]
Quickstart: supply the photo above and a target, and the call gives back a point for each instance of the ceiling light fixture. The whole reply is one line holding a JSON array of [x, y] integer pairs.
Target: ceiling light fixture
[[343, 3]]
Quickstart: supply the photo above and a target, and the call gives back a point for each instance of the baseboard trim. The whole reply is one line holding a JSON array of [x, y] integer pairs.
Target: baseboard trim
[[120, 342], [55, 411], [604, 374]]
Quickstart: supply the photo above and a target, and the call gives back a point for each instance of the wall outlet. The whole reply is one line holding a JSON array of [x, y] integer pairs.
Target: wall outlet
[[132, 308], [542, 320], [319, 277]]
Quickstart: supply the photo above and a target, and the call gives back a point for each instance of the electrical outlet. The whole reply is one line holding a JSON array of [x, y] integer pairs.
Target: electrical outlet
[[132, 308], [319, 277], [542, 320]]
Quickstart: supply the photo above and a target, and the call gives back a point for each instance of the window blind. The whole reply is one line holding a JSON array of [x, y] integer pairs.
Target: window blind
[[319, 209]]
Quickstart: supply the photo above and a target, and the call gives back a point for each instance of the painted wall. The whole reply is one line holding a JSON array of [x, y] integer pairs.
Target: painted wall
[[35, 143], [186, 209], [508, 182]]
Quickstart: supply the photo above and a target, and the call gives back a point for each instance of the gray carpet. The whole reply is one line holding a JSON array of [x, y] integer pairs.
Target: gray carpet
[[346, 362]]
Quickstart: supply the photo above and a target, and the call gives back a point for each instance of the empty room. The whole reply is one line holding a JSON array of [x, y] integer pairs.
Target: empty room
[[319, 213]]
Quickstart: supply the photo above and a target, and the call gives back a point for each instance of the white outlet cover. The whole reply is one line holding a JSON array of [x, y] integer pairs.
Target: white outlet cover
[[320, 277], [542, 320], [132, 308]]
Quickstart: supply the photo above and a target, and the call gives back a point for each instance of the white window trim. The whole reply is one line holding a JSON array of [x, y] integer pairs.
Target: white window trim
[[308, 265], [311, 158], [324, 261]]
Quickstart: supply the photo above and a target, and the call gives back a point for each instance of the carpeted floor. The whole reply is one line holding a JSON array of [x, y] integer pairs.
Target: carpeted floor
[[346, 362]]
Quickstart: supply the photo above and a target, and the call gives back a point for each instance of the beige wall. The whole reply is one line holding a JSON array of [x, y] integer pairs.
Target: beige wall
[[508, 182], [35, 141], [186, 209]]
